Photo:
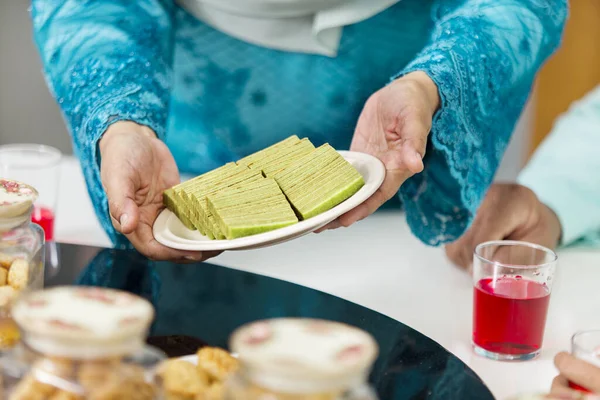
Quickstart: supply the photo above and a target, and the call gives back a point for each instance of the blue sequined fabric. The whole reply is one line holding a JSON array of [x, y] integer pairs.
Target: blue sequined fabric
[[213, 98]]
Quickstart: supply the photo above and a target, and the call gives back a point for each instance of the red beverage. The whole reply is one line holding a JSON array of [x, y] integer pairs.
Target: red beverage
[[577, 387], [509, 315], [44, 217]]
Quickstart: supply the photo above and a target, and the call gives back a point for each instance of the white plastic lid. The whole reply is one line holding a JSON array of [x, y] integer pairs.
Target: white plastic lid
[[298, 355], [83, 322], [16, 199]]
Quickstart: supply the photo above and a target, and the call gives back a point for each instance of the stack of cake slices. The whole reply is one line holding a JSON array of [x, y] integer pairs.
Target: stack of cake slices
[[270, 189], [318, 181]]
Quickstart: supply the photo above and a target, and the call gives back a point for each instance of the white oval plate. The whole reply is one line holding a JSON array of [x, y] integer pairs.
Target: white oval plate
[[170, 232]]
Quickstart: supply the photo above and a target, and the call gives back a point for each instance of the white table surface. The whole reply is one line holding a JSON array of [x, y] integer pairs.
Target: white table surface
[[378, 263]]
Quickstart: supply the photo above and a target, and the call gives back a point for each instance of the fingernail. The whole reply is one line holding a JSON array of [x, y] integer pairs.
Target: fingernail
[[123, 219], [191, 258], [417, 159]]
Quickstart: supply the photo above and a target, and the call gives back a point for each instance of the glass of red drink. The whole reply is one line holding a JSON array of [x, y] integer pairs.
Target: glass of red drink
[[585, 345], [39, 166], [512, 282]]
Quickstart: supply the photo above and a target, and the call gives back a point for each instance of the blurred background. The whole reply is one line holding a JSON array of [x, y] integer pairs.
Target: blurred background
[[29, 114]]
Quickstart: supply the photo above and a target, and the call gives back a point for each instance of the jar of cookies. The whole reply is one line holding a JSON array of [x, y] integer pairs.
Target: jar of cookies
[[80, 343], [21, 251], [301, 359]]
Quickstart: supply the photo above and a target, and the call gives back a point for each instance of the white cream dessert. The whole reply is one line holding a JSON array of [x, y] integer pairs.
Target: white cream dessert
[[16, 198], [83, 322], [299, 355]]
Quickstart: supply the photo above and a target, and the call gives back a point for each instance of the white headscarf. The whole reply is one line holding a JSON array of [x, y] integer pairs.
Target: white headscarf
[[308, 26]]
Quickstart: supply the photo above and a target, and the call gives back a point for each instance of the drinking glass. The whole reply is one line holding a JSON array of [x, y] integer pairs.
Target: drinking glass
[[512, 281], [39, 166], [585, 345]]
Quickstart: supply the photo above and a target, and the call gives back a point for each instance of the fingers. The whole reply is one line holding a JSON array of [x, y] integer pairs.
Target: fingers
[[484, 227], [143, 240], [332, 225], [392, 182], [415, 163], [414, 132], [120, 191], [400, 165], [560, 390], [504, 209], [124, 214], [578, 371]]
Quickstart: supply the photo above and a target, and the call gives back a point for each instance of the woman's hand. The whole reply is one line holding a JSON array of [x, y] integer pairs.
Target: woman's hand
[[394, 126], [509, 211], [136, 168], [577, 371]]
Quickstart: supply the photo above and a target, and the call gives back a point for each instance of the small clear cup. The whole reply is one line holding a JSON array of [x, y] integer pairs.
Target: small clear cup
[[585, 345], [512, 282]]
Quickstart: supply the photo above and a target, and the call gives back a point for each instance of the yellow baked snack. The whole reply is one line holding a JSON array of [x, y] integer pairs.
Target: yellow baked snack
[[175, 396], [59, 367], [18, 274], [6, 260], [106, 380], [7, 294], [216, 391], [3, 276], [126, 389], [63, 395], [9, 334], [31, 389], [216, 362], [182, 378]]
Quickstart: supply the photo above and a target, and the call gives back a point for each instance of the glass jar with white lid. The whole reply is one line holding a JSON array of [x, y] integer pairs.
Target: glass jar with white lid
[[301, 359], [21, 252], [81, 343]]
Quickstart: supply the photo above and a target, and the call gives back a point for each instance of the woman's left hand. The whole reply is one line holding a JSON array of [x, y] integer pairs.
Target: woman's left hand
[[393, 126]]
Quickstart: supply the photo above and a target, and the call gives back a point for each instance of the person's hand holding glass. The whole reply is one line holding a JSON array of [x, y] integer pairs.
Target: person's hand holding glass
[[579, 371]]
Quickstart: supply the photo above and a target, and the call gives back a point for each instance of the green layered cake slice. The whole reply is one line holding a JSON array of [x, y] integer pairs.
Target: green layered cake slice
[[272, 165], [185, 194], [172, 198], [213, 230], [318, 181], [269, 151], [340, 186], [196, 198], [278, 156], [248, 211], [267, 190], [309, 167], [180, 198]]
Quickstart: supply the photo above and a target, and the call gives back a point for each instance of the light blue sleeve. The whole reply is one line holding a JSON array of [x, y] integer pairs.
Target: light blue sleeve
[[483, 55], [105, 61], [564, 172]]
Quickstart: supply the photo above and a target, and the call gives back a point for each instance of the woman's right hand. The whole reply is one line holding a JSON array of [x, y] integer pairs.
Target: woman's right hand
[[136, 168], [582, 373]]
